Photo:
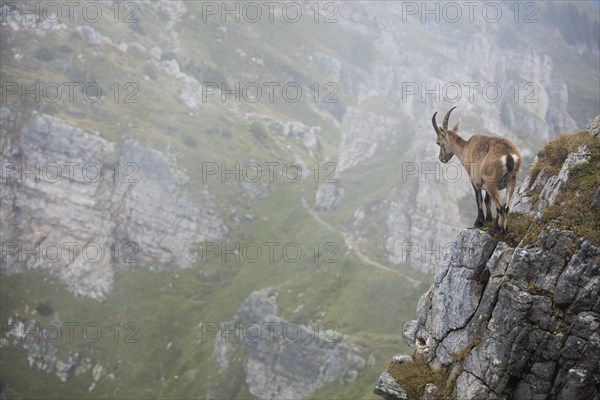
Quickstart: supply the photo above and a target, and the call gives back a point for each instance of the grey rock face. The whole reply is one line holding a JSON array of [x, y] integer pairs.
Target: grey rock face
[[523, 326], [19, 20], [328, 196], [469, 387], [401, 359], [296, 130], [430, 392], [388, 388], [331, 66], [41, 353], [594, 128], [522, 323], [456, 289], [362, 132], [284, 360], [557, 116], [111, 208], [91, 37], [551, 186], [517, 323]]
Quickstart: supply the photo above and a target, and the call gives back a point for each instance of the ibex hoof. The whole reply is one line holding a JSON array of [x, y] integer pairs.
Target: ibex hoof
[[478, 223]]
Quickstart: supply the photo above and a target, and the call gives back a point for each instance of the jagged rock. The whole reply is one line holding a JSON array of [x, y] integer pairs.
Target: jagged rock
[[292, 129], [594, 128], [409, 331], [401, 359], [156, 53], [557, 116], [331, 66], [18, 19], [430, 392], [299, 131], [172, 9], [423, 214], [191, 89], [91, 36], [362, 132], [469, 387], [328, 196], [554, 184], [284, 360], [533, 333], [456, 290], [388, 388], [138, 208], [551, 185], [42, 353], [518, 323]]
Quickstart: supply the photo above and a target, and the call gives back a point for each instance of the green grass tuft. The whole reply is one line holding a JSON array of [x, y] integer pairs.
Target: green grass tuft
[[413, 377]]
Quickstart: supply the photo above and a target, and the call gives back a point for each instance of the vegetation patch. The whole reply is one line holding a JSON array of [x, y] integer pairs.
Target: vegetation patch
[[413, 377], [572, 209], [538, 291], [518, 229], [556, 151]]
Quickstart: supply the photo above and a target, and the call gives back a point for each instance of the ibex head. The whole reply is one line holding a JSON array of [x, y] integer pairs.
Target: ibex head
[[444, 135]]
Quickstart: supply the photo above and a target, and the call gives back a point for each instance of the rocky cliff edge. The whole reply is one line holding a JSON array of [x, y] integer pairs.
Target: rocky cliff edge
[[517, 317]]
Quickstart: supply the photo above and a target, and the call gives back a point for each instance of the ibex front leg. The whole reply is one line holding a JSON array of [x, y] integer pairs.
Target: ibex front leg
[[479, 221]]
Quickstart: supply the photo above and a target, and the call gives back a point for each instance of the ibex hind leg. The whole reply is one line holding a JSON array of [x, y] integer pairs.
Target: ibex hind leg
[[488, 209], [493, 192], [510, 189], [504, 225]]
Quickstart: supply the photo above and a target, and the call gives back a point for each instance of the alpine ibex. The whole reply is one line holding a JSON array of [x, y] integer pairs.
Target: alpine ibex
[[492, 164]]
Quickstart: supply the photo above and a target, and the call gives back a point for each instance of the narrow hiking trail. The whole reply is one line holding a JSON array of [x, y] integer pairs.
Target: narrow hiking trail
[[348, 238], [349, 241]]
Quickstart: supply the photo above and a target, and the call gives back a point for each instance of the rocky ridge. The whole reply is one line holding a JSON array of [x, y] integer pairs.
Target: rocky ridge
[[78, 207], [284, 360], [513, 322], [41, 353]]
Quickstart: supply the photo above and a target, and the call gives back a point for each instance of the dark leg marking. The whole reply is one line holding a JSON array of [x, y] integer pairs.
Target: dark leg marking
[[488, 204], [496, 227], [480, 217]]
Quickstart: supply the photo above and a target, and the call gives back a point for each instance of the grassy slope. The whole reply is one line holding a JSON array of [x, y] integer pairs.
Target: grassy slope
[[168, 308]]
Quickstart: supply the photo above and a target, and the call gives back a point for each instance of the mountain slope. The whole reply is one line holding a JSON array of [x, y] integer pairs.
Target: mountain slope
[[356, 205]]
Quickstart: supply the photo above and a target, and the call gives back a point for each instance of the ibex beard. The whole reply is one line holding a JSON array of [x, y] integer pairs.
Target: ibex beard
[[492, 164]]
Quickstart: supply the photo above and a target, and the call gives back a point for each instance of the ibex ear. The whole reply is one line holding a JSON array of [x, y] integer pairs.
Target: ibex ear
[[455, 129]]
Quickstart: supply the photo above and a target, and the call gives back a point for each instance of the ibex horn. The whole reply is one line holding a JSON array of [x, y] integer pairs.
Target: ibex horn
[[447, 117], [435, 125]]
